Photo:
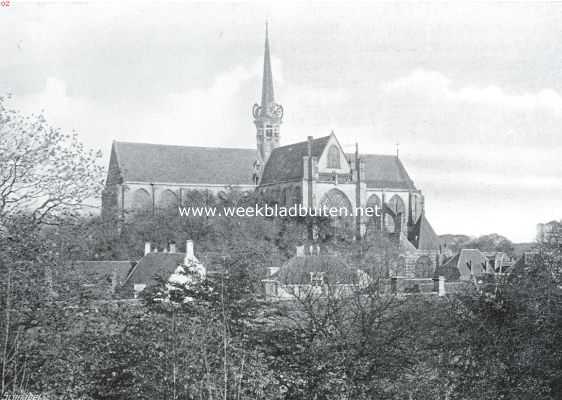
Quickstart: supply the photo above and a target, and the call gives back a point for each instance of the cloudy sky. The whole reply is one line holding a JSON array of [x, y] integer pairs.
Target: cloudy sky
[[472, 93]]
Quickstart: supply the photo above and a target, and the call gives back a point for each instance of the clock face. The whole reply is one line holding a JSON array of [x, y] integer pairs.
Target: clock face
[[272, 110], [256, 110], [275, 110]]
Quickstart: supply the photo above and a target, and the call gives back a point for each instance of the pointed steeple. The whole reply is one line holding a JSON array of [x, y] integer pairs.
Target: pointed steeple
[[268, 115], [267, 96]]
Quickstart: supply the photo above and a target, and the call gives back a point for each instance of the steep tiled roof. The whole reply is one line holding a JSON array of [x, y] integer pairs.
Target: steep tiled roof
[[449, 270], [468, 262], [143, 162], [153, 265], [285, 162], [475, 259], [384, 171], [423, 236]]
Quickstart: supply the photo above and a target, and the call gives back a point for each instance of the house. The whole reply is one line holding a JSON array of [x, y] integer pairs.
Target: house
[[467, 265], [169, 266], [313, 274]]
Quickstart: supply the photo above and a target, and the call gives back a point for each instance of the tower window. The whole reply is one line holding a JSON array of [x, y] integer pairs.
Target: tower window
[[334, 157], [268, 131]]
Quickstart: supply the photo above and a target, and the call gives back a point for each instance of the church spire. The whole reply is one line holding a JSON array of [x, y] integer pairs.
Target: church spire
[[267, 96], [268, 115]]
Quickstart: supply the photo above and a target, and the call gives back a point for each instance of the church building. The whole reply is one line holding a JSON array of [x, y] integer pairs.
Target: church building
[[316, 172]]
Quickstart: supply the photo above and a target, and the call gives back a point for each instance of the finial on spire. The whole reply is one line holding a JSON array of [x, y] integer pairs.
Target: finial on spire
[[267, 96], [397, 149], [266, 29]]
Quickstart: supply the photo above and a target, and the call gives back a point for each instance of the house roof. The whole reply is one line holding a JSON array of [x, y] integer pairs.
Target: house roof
[[100, 269], [296, 271], [285, 162], [144, 162], [384, 171], [468, 262], [449, 269], [154, 265]]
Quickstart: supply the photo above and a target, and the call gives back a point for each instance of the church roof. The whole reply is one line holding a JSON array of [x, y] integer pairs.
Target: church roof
[[144, 162], [384, 171], [381, 171], [285, 162], [422, 235]]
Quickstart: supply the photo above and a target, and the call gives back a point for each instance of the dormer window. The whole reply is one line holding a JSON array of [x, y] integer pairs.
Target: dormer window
[[317, 278], [334, 157]]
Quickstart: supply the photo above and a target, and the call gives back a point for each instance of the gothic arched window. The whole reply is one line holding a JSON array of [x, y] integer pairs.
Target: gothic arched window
[[334, 157], [168, 200], [375, 222], [337, 201], [424, 267], [396, 204], [142, 201]]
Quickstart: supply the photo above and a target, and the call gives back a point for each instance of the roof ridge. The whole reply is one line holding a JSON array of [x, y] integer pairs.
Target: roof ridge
[[302, 142], [183, 146]]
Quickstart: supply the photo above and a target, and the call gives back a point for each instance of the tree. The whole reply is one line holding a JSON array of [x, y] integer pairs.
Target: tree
[[46, 177], [44, 173]]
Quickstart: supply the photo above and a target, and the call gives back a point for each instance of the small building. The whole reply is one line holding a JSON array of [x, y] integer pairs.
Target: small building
[[169, 266], [467, 265], [550, 233], [313, 274], [500, 262]]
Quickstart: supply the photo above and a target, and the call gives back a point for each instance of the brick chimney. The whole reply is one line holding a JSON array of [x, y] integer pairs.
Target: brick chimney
[[189, 255]]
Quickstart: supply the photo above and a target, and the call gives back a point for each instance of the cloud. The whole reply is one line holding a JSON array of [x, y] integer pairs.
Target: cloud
[[438, 87]]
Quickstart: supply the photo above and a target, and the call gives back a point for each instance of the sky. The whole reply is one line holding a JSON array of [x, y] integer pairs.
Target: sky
[[471, 92]]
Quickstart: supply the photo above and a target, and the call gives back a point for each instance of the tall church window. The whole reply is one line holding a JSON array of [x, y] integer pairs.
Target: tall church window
[[336, 200], [374, 223], [142, 201], [396, 204], [334, 157], [168, 200]]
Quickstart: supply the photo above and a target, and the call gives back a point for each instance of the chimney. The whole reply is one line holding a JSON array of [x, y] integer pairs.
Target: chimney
[[173, 247], [441, 286], [146, 248], [310, 139], [189, 250]]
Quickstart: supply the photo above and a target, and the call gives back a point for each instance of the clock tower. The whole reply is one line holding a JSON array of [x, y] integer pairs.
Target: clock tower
[[267, 116]]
